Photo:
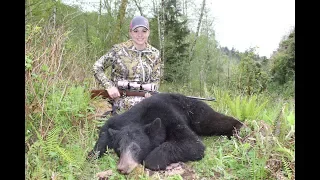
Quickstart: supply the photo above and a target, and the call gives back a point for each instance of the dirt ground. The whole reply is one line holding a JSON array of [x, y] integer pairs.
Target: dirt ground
[[180, 168], [185, 171]]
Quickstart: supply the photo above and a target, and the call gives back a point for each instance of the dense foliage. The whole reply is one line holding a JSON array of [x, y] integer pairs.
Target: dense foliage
[[282, 64]]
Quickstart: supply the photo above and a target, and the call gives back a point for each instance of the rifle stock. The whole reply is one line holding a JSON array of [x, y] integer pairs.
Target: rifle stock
[[103, 93]]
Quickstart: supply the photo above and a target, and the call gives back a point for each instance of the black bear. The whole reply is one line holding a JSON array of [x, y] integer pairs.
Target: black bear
[[161, 130]]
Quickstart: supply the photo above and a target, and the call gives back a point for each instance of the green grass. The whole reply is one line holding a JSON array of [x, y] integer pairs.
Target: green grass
[[61, 149]]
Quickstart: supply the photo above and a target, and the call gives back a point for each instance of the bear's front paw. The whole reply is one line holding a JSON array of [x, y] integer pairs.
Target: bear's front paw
[[156, 161]]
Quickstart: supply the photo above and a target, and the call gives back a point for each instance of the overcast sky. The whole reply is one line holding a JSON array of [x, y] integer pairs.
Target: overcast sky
[[248, 23]]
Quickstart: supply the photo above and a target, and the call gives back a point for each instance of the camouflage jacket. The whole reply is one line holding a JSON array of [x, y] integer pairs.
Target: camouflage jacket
[[129, 64]]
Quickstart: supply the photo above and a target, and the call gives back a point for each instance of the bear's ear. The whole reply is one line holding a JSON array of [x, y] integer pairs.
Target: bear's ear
[[112, 131], [156, 123], [154, 126]]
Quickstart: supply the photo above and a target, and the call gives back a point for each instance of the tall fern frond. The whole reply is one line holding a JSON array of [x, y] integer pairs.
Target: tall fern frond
[[287, 152], [238, 111], [232, 106], [250, 106], [37, 146], [51, 141], [286, 167], [252, 171], [65, 155], [291, 117], [52, 145], [253, 164], [258, 108]]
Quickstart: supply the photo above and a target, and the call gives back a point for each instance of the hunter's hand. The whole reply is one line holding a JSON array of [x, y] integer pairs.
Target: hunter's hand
[[113, 92], [146, 95]]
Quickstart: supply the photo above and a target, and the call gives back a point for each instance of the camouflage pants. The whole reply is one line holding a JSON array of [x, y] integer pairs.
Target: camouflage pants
[[125, 103]]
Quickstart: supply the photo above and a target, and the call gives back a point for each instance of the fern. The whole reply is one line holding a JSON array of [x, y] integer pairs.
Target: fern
[[284, 124], [231, 105], [258, 109], [250, 106], [238, 108], [52, 146], [252, 161], [36, 165], [286, 167], [287, 152], [245, 108], [291, 118], [257, 165], [51, 141], [66, 155], [234, 107]]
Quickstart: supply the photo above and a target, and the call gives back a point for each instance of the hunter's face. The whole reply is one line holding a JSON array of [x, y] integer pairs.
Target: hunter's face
[[140, 36]]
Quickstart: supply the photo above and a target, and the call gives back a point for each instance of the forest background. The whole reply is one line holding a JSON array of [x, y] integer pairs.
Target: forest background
[[62, 42]]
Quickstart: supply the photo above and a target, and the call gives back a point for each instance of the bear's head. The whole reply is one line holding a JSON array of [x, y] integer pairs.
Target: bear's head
[[133, 142]]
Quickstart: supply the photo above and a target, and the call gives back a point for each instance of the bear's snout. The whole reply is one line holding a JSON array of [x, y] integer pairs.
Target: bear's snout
[[127, 162]]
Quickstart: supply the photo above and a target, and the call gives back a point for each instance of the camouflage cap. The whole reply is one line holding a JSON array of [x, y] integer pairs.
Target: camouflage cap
[[139, 21]]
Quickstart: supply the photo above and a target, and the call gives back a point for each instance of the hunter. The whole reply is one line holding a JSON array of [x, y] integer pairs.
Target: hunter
[[134, 61]]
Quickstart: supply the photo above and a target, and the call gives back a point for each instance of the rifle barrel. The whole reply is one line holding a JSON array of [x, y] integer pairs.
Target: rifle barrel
[[200, 98]]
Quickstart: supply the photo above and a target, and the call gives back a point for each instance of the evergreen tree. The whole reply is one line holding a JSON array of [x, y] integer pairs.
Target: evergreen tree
[[176, 48]]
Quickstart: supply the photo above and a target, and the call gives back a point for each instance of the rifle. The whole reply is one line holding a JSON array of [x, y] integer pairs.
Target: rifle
[[128, 92]]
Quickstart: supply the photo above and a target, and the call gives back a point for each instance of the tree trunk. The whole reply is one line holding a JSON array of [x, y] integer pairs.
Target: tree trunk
[[54, 14], [186, 6], [195, 40], [183, 2], [228, 73], [139, 8], [161, 30], [107, 6], [87, 33], [121, 14], [217, 70], [100, 4], [159, 34], [197, 33], [208, 49]]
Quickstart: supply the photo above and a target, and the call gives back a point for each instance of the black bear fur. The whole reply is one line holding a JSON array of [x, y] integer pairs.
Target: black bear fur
[[161, 130]]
